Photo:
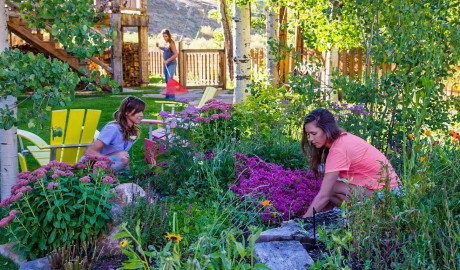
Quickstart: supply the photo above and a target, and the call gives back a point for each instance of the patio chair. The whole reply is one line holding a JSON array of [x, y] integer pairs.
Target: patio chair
[[71, 132]]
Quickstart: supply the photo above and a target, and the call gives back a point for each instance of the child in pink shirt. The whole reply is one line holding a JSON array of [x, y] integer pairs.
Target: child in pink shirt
[[346, 156]]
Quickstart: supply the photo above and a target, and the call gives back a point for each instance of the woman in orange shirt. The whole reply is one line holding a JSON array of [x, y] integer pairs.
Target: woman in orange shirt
[[344, 157]]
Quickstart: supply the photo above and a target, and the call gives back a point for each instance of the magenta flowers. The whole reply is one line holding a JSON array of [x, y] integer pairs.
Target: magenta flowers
[[289, 192]]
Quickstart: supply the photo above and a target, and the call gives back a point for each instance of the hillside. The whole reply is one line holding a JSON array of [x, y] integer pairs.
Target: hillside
[[181, 17]]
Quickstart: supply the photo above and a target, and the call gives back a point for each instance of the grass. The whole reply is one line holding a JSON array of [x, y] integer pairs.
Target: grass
[[156, 85]]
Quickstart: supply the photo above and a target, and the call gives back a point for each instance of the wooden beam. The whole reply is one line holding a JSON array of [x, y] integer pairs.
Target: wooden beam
[[143, 34], [127, 20], [117, 49]]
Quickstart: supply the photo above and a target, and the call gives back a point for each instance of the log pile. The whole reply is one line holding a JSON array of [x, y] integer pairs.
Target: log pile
[[131, 67]]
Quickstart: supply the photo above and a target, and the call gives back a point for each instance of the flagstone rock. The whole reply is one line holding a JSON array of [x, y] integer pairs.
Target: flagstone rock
[[283, 255], [39, 264]]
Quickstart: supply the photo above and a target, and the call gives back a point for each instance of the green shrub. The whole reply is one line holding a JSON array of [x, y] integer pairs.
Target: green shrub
[[58, 205]]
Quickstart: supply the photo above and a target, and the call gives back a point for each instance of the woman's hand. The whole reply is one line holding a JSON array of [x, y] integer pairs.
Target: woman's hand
[[166, 62], [324, 195]]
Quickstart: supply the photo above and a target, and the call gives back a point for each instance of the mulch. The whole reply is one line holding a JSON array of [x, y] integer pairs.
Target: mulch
[[112, 262]]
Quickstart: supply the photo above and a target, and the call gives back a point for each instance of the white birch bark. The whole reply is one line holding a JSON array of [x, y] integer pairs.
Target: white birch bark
[[8, 152], [241, 51], [272, 34], [8, 138], [334, 65], [3, 27]]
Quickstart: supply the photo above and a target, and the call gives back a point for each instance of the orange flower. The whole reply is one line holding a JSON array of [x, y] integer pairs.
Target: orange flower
[[411, 136], [422, 159], [455, 141], [452, 133], [266, 203], [428, 133], [274, 213], [173, 237]]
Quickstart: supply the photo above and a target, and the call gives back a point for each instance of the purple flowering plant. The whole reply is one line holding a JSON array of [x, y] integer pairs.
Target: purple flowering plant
[[59, 204], [280, 194], [205, 126]]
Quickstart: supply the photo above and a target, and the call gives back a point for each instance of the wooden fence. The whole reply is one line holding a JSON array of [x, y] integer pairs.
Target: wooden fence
[[206, 67]]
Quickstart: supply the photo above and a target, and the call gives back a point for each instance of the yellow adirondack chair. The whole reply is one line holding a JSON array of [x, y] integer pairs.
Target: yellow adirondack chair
[[71, 132], [207, 95]]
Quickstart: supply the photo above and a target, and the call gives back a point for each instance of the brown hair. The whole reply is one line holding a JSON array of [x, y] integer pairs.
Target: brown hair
[[131, 105], [166, 31], [325, 120]]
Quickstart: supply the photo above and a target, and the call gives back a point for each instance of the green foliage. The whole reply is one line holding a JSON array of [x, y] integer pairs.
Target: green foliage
[[71, 23], [152, 213], [59, 205], [51, 84]]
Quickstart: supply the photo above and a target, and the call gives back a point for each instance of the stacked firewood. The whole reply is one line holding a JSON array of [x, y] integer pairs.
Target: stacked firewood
[[130, 64]]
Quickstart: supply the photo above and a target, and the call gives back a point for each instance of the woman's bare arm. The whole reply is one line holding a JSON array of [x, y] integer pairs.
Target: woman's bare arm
[[324, 195]]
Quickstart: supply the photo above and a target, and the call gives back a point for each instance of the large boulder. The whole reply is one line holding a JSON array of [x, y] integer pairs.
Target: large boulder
[[283, 255], [285, 247]]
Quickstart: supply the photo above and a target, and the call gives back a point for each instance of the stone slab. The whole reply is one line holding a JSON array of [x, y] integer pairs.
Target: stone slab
[[283, 255], [39, 264]]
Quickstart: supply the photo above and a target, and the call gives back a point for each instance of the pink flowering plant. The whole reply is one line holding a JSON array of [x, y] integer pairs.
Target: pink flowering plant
[[59, 204], [205, 126], [281, 194]]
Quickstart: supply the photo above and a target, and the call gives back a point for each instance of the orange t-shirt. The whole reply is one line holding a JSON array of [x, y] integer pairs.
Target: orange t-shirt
[[359, 162]]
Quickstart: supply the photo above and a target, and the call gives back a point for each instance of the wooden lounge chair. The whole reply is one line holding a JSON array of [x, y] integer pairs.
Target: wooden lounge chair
[[71, 132]]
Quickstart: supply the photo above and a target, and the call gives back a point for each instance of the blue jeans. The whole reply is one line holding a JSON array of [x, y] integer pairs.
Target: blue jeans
[[172, 69]]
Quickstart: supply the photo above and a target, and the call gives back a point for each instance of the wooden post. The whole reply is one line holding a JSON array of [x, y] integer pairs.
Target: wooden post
[[182, 65], [143, 55], [117, 48], [223, 69], [283, 64]]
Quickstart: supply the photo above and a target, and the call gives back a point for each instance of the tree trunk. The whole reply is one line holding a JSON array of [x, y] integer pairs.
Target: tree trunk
[[117, 47], [8, 152], [272, 35], [242, 50], [8, 138], [3, 27], [228, 37]]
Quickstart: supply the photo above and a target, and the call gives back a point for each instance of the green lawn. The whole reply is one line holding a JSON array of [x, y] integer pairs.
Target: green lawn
[[107, 103]]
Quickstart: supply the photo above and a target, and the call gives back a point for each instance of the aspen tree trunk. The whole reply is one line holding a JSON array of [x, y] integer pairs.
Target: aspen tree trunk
[[242, 50], [228, 37], [272, 35], [8, 138]]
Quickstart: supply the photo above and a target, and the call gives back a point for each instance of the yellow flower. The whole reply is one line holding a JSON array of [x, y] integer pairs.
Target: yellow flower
[[266, 203], [169, 259], [428, 133], [411, 136], [173, 237], [123, 243], [422, 159]]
